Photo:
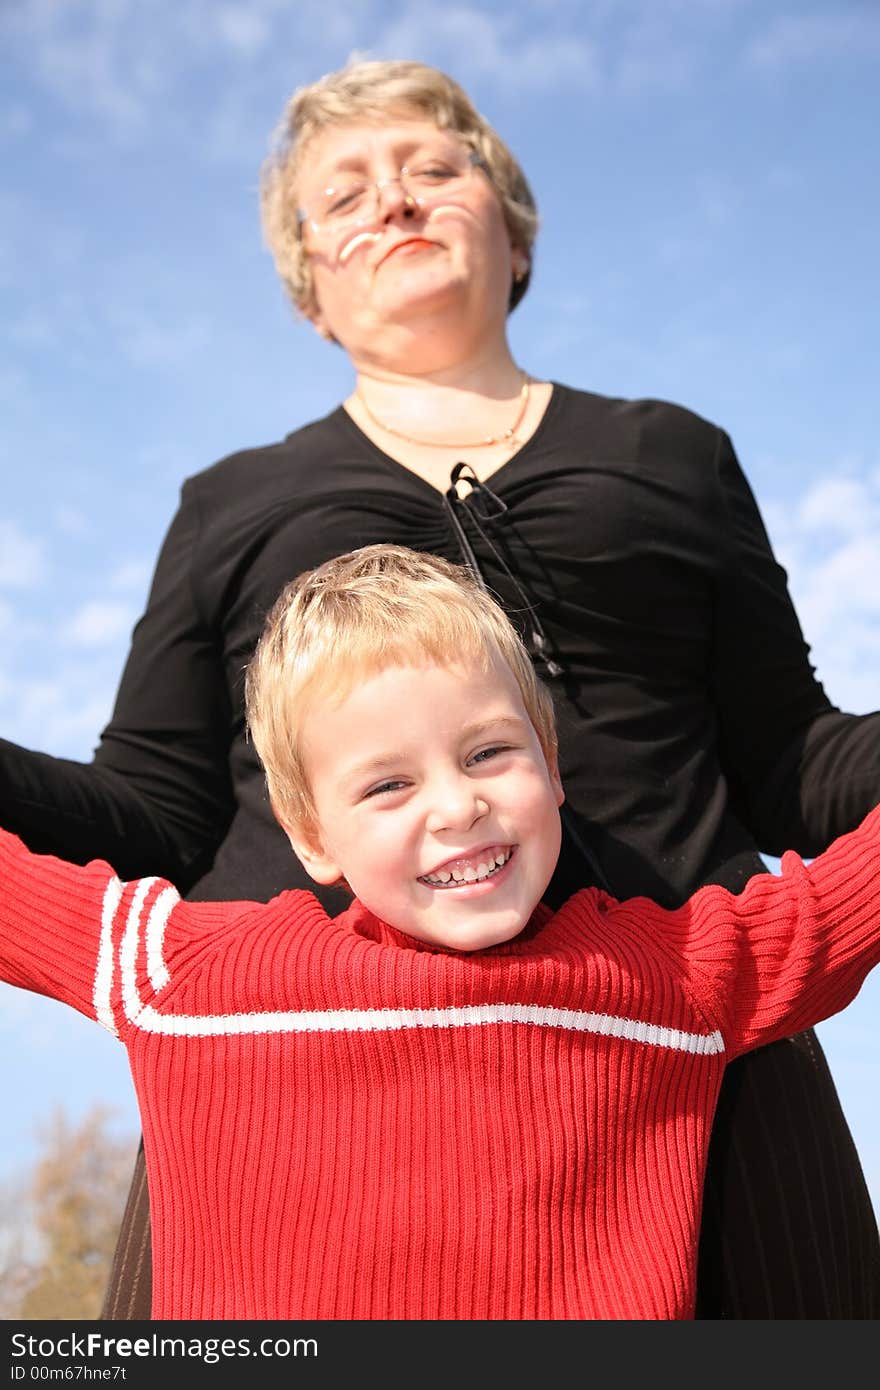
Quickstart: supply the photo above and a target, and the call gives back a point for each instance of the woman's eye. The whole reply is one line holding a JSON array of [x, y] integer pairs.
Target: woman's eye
[[435, 172], [342, 200]]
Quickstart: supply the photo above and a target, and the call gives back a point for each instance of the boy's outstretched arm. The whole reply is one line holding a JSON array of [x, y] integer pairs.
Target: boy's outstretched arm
[[789, 950], [56, 924]]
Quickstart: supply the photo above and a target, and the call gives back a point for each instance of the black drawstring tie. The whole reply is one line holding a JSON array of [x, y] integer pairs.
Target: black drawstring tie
[[485, 508]]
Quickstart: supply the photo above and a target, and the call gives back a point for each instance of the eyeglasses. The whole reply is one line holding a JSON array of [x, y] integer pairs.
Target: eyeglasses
[[357, 203]]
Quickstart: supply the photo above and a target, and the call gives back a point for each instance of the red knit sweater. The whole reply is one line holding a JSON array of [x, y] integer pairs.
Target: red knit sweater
[[342, 1123]]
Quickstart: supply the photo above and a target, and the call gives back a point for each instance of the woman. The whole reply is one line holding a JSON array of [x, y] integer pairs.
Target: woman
[[622, 537]]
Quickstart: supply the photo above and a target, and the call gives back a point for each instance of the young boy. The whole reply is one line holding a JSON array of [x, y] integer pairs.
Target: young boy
[[449, 1102]]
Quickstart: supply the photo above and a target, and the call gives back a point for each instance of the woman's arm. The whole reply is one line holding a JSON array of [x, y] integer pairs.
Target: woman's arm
[[157, 797], [800, 771]]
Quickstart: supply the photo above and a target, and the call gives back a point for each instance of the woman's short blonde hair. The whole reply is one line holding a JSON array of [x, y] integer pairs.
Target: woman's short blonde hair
[[380, 606], [373, 91]]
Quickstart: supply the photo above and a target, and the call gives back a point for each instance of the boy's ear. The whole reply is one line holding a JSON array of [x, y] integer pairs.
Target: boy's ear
[[308, 849]]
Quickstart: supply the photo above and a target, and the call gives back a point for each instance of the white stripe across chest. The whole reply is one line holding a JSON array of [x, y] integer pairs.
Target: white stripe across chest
[[149, 1019]]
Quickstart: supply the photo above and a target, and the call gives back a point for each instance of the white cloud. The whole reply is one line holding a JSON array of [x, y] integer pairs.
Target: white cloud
[[842, 587], [720, 199], [133, 575], [61, 713], [72, 521], [844, 504], [785, 178], [86, 53], [165, 345], [837, 516], [12, 219], [98, 622], [137, 66], [652, 53], [15, 122], [33, 329], [806, 38], [129, 63], [16, 394], [829, 542], [21, 557], [245, 31], [109, 58], [472, 42], [232, 133]]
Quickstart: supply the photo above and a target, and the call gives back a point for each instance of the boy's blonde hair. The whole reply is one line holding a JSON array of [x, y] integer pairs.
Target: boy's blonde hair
[[355, 615], [376, 91]]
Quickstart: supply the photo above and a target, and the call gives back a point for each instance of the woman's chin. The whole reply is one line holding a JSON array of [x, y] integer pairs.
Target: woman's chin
[[413, 295]]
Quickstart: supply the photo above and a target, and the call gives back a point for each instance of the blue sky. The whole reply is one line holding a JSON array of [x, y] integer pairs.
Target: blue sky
[[709, 187]]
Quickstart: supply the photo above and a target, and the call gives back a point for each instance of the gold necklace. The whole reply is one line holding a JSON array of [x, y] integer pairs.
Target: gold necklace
[[507, 437]]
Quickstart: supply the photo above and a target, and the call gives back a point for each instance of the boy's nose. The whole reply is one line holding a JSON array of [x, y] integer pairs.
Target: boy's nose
[[456, 806]]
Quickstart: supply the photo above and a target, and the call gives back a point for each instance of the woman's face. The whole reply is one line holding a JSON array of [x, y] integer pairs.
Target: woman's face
[[403, 273]]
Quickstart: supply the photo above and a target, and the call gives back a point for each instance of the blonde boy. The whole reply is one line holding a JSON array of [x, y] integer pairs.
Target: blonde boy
[[449, 1102], [408, 745]]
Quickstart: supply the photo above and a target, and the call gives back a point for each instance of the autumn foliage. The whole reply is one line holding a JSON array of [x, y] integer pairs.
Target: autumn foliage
[[58, 1225]]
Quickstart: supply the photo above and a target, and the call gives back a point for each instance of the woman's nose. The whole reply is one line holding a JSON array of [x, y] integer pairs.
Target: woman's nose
[[455, 805], [393, 197]]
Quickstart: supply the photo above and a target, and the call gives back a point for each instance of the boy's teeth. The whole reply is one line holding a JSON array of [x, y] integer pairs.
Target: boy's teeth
[[471, 873]]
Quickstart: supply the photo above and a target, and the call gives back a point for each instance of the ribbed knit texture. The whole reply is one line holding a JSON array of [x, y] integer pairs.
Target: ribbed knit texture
[[342, 1123]]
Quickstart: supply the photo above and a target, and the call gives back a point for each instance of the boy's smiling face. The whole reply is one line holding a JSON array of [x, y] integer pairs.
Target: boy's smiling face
[[435, 802]]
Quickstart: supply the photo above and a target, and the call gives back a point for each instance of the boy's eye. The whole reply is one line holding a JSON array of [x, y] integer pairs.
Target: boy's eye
[[486, 753], [392, 785]]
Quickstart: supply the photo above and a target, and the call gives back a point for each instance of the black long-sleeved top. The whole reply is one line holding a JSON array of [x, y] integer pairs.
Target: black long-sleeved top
[[693, 731]]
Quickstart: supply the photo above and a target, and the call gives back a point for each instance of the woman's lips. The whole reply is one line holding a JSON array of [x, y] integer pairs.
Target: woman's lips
[[412, 246]]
